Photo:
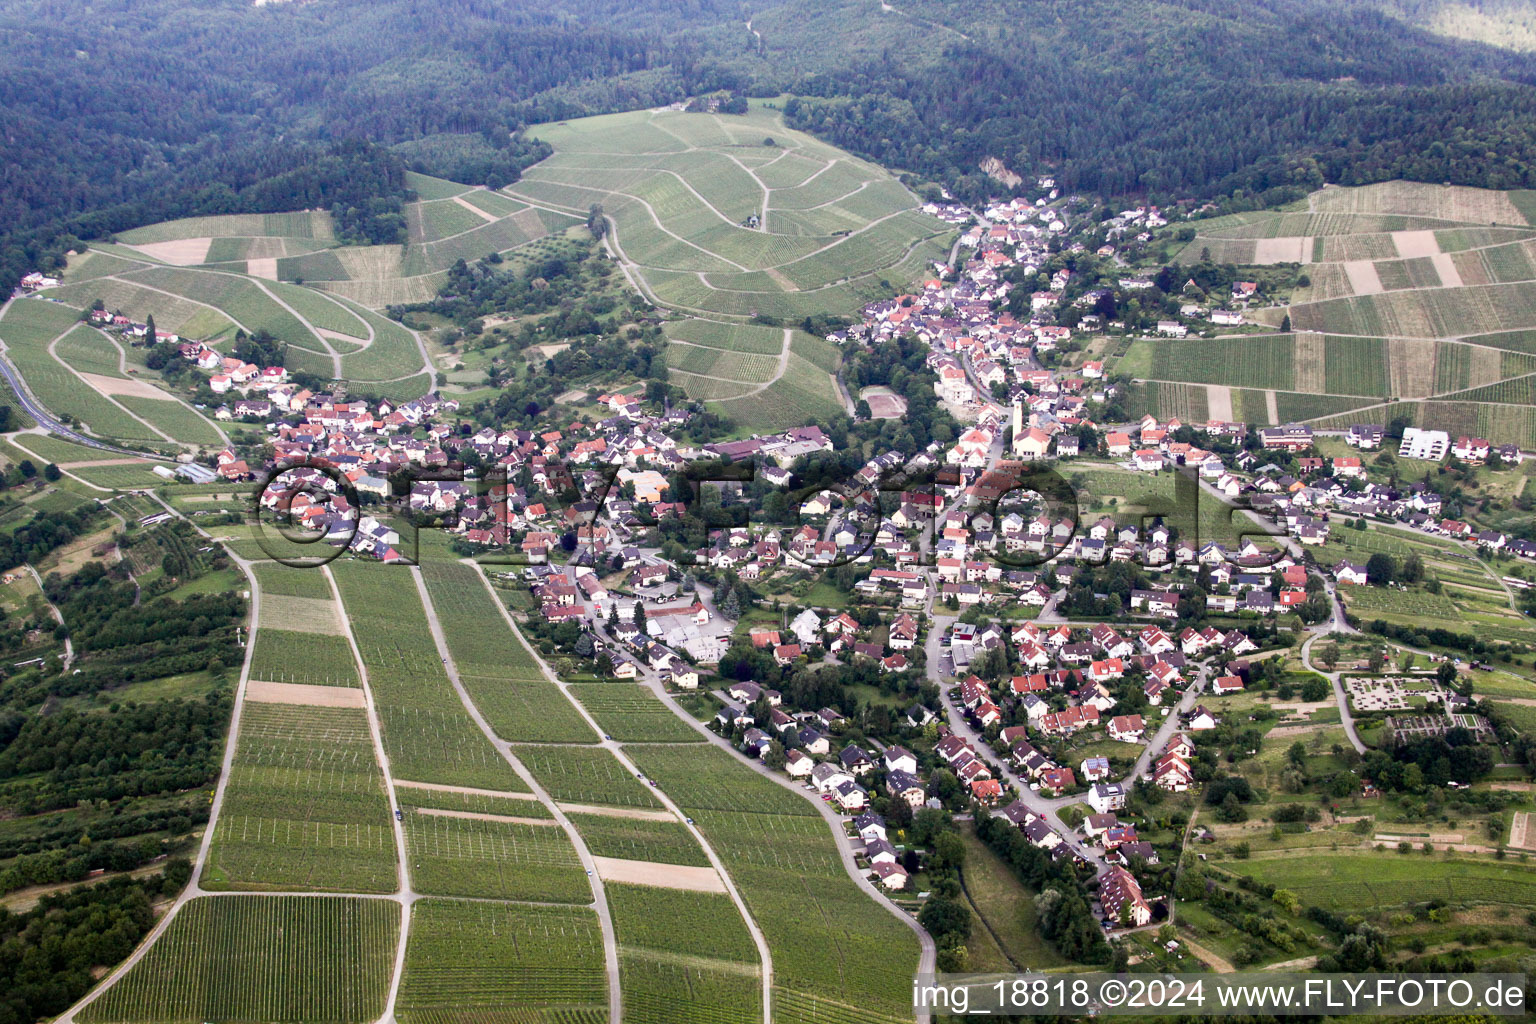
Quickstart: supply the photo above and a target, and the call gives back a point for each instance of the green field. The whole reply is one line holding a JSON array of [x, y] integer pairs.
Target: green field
[[1363, 881], [305, 805], [480, 961], [252, 958], [460, 856]]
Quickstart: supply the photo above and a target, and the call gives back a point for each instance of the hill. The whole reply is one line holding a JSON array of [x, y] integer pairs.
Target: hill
[[725, 218], [227, 112], [1415, 303]]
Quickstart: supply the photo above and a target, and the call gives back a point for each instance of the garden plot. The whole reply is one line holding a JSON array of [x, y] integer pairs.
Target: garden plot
[[1389, 694]]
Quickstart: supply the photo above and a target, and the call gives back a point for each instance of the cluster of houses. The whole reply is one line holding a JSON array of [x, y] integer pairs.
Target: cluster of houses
[[1069, 677]]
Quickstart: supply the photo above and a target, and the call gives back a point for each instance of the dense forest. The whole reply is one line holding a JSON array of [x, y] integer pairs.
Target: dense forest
[[116, 113]]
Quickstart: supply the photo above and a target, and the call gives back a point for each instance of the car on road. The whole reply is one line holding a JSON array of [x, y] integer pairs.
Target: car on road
[[399, 814]]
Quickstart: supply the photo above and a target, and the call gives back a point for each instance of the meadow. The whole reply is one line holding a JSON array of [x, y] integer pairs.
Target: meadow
[[1365, 881], [300, 959]]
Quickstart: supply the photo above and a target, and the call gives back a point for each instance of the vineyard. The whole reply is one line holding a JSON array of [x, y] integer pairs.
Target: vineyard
[[288, 656], [631, 714], [457, 856], [428, 734], [634, 839], [305, 806], [496, 668], [706, 973], [471, 962], [829, 941], [585, 775], [298, 959]]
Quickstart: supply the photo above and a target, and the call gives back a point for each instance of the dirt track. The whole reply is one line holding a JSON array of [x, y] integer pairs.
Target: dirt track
[[618, 812]]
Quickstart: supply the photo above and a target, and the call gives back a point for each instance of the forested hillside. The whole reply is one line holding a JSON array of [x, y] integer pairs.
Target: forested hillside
[[153, 109]]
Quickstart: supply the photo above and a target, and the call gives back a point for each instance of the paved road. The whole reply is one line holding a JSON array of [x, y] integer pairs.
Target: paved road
[[1336, 624], [47, 420]]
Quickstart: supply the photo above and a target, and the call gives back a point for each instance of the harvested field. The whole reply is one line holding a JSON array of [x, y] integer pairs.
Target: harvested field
[[664, 876], [263, 268], [1296, 249], [1450, 273], [1218, 400], [263, 692], [1362, 277], [1415, 243], [123, 386], [183, 252]]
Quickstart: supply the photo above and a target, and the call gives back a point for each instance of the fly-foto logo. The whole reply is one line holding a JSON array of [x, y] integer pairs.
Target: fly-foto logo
[[308, 512]]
